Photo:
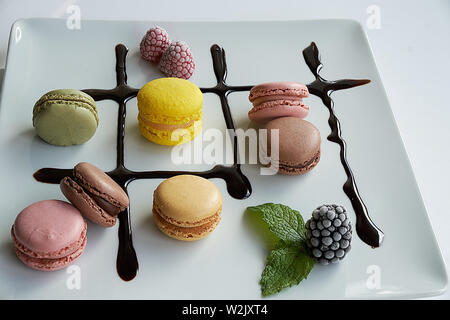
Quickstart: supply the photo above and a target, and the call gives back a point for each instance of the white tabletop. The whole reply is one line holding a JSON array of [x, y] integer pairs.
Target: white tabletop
[[409, 40]]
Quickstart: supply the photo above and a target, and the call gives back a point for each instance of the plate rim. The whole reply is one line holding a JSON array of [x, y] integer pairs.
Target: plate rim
[[444, 276]]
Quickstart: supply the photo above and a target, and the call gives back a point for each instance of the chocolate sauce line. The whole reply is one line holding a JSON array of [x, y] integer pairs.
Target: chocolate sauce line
[[126, 263], [365, 227], [238, 186]]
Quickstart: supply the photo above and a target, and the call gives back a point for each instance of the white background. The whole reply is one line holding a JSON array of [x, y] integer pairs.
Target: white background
[[411, 49]]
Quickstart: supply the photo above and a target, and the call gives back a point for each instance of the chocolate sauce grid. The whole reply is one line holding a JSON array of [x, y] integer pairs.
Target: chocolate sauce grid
[[238, 186]]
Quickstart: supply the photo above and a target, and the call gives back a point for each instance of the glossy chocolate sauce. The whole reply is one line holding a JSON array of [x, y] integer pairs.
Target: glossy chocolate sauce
[[238, 185], [365, 228]]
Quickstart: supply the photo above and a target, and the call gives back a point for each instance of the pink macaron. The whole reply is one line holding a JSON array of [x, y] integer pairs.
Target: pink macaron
[[49, 235], [278, 99]]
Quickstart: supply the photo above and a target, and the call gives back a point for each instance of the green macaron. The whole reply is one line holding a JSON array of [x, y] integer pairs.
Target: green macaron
[[65, 117]]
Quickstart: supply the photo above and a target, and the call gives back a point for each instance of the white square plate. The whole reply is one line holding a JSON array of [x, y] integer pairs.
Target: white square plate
[[44, 55]]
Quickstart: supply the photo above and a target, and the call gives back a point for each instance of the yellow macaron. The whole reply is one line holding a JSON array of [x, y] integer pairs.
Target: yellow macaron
[[170, 111], [187, 207]]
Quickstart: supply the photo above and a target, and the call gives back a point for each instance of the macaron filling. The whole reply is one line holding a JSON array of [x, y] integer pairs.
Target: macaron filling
[[260, 100], [60, 253], [111, 209], [173, 136], [50, 264], [50, 99], [276, 103], [164, 126], [185, 223], [93, 202], [186, 233], [303, 167]]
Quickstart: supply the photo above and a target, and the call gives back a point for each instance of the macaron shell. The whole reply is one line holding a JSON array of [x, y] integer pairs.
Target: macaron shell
[[99, 184], [64, 125], [187, 200], [170, 97], [299, 140], [49, 228], [66, 96], [87, 206], [65, 117], [63, 252], [299, 145], [46, 264], [278, 89], [186, 233]]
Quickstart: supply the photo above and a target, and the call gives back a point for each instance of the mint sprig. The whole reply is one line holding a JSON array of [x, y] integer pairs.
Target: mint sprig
[[288, 262]]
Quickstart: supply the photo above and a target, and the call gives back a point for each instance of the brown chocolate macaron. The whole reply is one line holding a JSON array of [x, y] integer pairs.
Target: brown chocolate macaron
[[98, 197], [298, 147]]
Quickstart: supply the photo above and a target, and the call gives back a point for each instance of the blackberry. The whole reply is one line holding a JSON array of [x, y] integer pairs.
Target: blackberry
[[329, 234]]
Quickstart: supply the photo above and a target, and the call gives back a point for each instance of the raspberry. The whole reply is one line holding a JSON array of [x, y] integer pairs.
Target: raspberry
[[154, 43], [329, 234], [177, 61]]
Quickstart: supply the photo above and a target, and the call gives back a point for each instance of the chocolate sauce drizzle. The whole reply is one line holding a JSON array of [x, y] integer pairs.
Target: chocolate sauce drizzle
[[365, 228], [238, 185]]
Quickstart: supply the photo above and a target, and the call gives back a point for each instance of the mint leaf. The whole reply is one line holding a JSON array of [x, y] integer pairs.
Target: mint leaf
[[286, 266], [261, 229], [285, 223], [288, 263]]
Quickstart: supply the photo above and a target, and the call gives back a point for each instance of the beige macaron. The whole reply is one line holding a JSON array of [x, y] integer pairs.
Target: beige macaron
[[187, 207]]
